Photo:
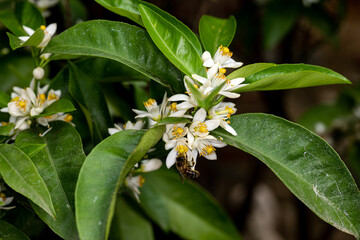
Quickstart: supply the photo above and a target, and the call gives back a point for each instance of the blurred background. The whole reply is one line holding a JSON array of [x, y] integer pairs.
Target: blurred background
[[324, 33]]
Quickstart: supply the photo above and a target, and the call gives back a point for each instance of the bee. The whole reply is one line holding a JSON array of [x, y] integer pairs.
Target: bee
[[184, 166]]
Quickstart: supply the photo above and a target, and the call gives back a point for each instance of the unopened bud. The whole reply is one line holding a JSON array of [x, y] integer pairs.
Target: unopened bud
[[38, 73], [45, 56]]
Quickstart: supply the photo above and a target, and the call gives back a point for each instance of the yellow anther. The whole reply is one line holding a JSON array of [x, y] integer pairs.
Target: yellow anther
[[141, 181], [22, 104], [208, 150], [149, 102], [228, 122], [226, 50], [222, 70], [68, 118], [177, 132], [3, 196], [181, 149], [15, 99], [173, 107], [196, 86], [4, 123], [52, 96], [43, 27], [201, 127]]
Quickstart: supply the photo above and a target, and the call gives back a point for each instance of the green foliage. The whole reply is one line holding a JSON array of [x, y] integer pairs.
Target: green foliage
[[176, 207], [34, 40], [8, 18], [4, 99], [28, 15], [127, 44], [216, 31], [20, 173], [178, 45], [9, 232], [286, 76], [305, 163], [101, 176], [59, 163], [59, 106]]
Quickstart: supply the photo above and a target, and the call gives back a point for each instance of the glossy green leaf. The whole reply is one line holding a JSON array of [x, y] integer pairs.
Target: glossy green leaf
[[129, 222], [126, 8], [20, 173], [173, 120], [9, 232], [89, 95], [102, 174], [288, 76], [59, 106], [34, 40], [8, 18], [4, 99], [32, 149], [216, 31], [6, 132], [29, 15], [58, 163], [305, 163], [279, 18], [173, 42], [184, 208], [249, 70], [121, 42]]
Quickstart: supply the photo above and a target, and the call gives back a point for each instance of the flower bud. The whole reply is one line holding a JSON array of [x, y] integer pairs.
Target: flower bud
[[38, 73], [45, 56]]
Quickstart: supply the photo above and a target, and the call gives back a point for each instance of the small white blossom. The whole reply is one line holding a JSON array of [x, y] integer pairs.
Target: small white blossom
[[49, 31], [175, 131], [150, 165], [128, 125], [205, 146], [221, 57], [38, 73], [4, 201], [180, 147], [221, 112]]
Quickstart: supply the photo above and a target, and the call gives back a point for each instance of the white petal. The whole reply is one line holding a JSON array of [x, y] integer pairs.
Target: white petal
[[237, 81], [151, 165], [113, 131], [212, 71], [232, 64], [217, 143], [171, 158], [230, 94], [179, 97], [228, 128], [208, 63], [51, 29], [28, 30], [200, 115], [23, 38], [42, 121], [32, 95], [170, 144], [212, 124], [191, 140], [5, 109], [139, 125], [205, 56], [212, 156], [202, 80]]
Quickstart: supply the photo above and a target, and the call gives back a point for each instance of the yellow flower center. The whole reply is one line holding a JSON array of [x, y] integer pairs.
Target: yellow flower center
[[15, 99], [173, 107], [52, 96], [201, 127], [22, 103], [222, 70], [43, 27], [149, 102], [225, 51], [208, 150], [177, 132], [68, 118], [181, 149]]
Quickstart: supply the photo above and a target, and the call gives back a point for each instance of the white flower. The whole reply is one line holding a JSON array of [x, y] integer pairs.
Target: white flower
[[213, 81], [222, 112], [134, 183], [206, 147], [38, 73], [222, 57], [154, 111], [199, 127], [4, 201], [150, 165], [128, 125], [180, 147], [49, 31]]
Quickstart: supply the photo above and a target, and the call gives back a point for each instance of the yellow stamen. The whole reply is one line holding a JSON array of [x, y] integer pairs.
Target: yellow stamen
[[68, 118], [4, 123], [149, 102], [196, 86], [208, 150], [3, 196], [228, 122], [43, 27], [173, 107], [181, 149], [177, 132], [15, 99], [222, 70], [201, 127], [52, 96], [141, 181]]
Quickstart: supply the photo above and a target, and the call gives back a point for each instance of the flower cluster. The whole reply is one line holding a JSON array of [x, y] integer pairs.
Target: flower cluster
[[186, 141]]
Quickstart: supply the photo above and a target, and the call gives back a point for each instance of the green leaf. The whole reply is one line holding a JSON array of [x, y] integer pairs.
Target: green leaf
[[4, 99], [174, 42], [58, 163], [28, 15], [288, 76], [249, 70], [34, 40], [173, 120], [102, 174], [121, 42], [129, 222], [92, 101], [176, 207], [305, 163], [20, 173], [277, 23], [8, 18], [126, 8], [59, 106], [216, 31], [196, 93], [6, 131], [32, 149], [9, 232]]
